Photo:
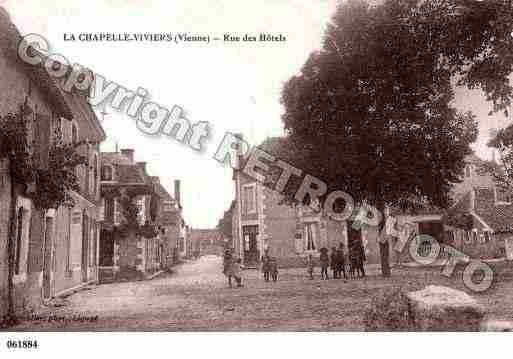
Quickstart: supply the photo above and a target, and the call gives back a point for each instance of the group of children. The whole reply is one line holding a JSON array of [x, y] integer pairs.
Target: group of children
[[269, 268], [337, 262], [232, 266]]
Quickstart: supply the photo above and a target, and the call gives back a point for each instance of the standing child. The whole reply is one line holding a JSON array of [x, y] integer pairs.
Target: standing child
[[310, 266], [273, 269], [334, 262], [341, 261], [237, 271], [266, 266], [324, 260]]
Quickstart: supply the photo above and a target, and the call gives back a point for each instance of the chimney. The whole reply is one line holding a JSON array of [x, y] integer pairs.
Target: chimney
[[128, 153], [142, 166], [240, 153], [177, 192]]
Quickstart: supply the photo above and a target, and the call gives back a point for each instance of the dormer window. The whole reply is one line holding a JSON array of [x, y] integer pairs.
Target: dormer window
[[107, 173]]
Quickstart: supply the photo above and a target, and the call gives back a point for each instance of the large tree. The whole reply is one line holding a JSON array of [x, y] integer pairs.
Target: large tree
[[371, 111]]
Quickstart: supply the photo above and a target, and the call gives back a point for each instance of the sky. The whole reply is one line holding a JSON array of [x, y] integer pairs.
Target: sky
[[233, 86]]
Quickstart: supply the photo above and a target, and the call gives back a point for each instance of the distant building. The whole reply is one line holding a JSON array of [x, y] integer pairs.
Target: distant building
[[206, 242]]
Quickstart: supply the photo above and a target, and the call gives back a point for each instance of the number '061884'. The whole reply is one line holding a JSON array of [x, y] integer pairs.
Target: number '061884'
[[22, 344]]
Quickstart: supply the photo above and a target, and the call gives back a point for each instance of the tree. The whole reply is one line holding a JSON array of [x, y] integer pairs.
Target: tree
[[371, 111], [226, 222]]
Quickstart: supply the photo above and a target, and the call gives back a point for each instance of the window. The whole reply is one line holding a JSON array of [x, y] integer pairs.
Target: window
[[141, 205], [249, 199], [74, 133], [109, 209], [106, 174], [468, 170], [310, 242], [168, 206], [502, 195], [57, 126], [18, 242]]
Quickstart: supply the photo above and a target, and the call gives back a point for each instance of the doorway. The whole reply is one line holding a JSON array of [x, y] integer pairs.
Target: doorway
[[251, 252]]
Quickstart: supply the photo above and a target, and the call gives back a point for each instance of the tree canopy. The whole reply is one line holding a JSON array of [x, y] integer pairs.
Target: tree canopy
[[371, 112]]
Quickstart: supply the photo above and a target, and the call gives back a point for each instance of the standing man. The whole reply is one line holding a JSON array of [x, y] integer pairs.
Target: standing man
[[360, 259]]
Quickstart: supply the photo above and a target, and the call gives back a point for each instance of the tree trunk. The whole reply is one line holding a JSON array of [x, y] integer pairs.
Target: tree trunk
[[384, 252], [11, 317]]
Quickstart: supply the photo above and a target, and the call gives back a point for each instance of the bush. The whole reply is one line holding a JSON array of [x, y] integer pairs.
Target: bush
[[389, 311]]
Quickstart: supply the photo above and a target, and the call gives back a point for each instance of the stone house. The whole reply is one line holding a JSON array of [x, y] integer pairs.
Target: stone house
[[262, 222], [127, 250], [55, 250], [290, 233]]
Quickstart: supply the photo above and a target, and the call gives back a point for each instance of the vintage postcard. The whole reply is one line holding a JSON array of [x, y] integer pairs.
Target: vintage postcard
[[264, 166]]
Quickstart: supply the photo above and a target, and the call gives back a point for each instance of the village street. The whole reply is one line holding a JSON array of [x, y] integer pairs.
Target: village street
[[195, 297]]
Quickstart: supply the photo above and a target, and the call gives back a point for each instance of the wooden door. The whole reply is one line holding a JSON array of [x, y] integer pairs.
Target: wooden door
[[85, 245], [251, 252], [48, 260]]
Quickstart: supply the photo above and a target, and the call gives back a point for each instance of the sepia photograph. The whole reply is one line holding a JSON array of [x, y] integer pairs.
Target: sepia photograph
[[273, 166]]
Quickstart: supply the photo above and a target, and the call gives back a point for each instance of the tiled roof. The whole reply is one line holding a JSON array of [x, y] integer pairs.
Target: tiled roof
[[129, 174], [10, 38], [163, 193], [500, 218], [497, 217]]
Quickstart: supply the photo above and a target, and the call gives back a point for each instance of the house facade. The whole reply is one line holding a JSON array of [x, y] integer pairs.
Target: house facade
[[54, 250], [170, 222], [290, 233], [130, 247]]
